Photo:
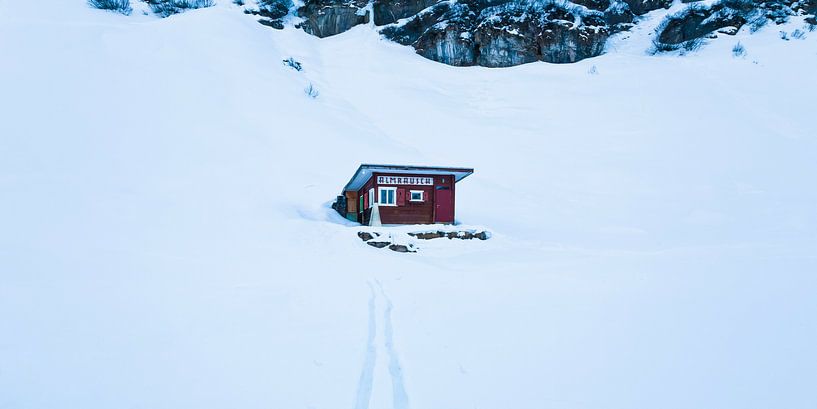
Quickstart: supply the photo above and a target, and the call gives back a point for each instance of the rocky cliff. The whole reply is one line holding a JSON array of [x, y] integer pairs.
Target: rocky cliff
[[497, 33], [727, 17]]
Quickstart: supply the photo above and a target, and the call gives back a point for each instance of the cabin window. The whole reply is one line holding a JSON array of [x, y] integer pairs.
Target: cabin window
[[371, 197], [416, 196], [388, 196]]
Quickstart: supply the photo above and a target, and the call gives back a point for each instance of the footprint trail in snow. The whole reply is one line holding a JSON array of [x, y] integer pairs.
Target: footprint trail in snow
[[400, 399], [364, 386]]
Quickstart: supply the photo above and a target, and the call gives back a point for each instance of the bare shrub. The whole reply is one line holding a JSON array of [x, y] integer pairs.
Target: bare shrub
[[165, 8], [311, 91], [738, 50], [119, 6], [293, 63]]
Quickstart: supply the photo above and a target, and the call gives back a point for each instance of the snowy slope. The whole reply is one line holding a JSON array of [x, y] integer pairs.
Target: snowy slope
[[166, 241]]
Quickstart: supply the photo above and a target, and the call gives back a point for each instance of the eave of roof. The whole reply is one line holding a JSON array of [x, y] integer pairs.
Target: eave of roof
[[365, 171]]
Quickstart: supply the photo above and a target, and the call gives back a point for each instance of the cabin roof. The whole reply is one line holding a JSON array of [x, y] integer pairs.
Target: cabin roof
[[365, 171]]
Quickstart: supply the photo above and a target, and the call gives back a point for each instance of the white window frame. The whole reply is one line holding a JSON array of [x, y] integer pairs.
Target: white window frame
[[380, 195], [422, 196], [371, 197]]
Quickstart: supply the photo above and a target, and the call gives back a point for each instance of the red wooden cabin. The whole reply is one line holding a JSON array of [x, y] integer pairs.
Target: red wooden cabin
[[403, 194]]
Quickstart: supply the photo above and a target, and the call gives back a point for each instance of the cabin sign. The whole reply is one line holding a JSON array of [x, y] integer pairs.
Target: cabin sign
[[405, 180]]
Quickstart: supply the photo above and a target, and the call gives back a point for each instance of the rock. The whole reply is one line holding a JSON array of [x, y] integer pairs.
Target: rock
[[640, 7], [618, 16], [696, 22], [428, 235], [501, 48], [463, 235], [378, 244], [562, 44], [402, 249], [497, 33], [389, 11], [809, 7], [409, 32], [726, 16], [447, 45], [365, 236], [324, 18], [599, 5], [471, 33]]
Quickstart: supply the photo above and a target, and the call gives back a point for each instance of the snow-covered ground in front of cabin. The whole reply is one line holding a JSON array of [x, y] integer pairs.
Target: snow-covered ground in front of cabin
[[166, 241]]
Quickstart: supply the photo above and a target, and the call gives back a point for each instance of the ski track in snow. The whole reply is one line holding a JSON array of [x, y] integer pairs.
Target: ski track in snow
[[399, 396], [364, 386]]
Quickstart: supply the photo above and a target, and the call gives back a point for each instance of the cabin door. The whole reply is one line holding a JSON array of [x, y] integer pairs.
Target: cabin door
[[443, 205]]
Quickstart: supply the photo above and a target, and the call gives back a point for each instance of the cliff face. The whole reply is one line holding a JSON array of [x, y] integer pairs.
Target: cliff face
[[505, 35], [727, 17], [497, 33], [490, 33], [325, 18]]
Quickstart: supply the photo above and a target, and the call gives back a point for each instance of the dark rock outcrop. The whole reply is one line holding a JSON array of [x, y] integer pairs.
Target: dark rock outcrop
[[697, 22], [402, 248], [366, 236], [640, 7], [326, 18], [389, 11], [502, 33], [727, 16], [465, 34], [462, 235], [378, 244]]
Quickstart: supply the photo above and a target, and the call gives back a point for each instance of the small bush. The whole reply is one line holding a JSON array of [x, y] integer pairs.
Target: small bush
[[294, 64], [738, 50], [757, 23], [798, 34], [593, 70], [659, 47], [238, 2], [165, 8], [692, 45], [784, 36], [311, 91], [119, 6]]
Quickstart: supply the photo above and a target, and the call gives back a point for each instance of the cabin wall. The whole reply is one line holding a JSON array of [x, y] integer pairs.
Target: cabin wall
[[365, 213], [351, 206], [412, 212], [409, 212]]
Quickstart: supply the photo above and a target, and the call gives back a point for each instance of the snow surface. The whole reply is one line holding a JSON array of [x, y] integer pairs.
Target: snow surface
[[166, 241]]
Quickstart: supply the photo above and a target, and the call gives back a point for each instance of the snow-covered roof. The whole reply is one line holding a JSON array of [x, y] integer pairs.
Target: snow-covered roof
[[365, 171]]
